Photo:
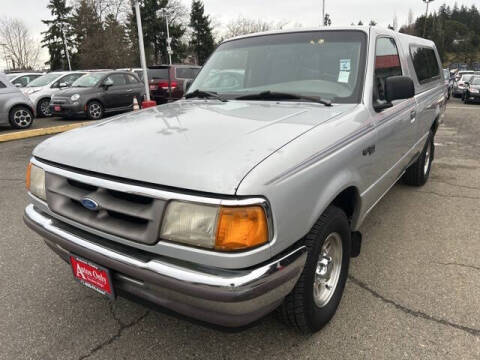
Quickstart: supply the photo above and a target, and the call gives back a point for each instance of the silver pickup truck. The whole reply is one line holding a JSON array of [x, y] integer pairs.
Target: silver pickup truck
[[248, 194]]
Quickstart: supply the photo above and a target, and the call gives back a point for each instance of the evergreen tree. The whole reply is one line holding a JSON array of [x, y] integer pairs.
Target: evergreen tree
[[52, 38], [116, 44], [202, 41], [88, 34], [154, 31]]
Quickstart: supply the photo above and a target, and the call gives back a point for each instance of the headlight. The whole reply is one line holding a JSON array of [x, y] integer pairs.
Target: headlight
[[473, 90], [215, 227], [75, 97], [35, 181]]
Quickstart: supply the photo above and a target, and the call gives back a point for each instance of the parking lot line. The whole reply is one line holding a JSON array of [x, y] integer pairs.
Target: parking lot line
[[462, 107], [39, 132]]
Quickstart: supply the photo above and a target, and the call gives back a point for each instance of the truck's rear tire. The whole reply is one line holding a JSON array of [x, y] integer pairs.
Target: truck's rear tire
[[417, 174], [315, 298]]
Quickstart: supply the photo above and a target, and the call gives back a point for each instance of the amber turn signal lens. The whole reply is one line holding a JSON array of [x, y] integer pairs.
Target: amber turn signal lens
[[241, 228], [27, 176]]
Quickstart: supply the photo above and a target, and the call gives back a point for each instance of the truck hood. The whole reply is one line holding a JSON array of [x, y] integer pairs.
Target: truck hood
[[205, 146]]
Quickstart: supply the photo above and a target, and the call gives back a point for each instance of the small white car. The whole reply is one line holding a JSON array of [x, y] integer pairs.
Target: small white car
[[41, 89], [23, 79]]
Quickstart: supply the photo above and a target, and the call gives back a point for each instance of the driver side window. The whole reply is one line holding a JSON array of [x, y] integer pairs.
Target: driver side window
[[116, 79], [387, 63]]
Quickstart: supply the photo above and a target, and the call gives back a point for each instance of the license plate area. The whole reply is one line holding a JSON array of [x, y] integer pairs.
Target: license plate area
[[57, 108], [93, 276]]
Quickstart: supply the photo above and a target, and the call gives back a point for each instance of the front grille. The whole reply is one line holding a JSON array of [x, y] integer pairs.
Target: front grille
[[130, 216]]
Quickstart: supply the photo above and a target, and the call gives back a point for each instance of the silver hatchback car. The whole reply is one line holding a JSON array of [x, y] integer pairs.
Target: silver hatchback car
[[16, 109]]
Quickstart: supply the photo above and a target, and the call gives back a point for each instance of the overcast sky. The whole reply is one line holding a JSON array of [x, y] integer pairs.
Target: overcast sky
[[306, 12]]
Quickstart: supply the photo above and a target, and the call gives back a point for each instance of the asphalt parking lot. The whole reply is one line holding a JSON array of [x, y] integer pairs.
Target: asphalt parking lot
[[413, 293]]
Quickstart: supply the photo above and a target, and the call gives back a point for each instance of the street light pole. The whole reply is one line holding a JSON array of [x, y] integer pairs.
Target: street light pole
[[323, 13], [65, 46], [426, 14], [163, 12], [142, 50]]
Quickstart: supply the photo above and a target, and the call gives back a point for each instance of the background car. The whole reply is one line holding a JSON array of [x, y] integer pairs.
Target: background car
[[459, 85], [472, 90], [16, 109], [460, 73], [23, 79], [166, 81], [448, 82], [98, 93], [41, 89]]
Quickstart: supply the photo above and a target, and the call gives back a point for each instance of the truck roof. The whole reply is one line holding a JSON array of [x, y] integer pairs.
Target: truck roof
[[403, 37]]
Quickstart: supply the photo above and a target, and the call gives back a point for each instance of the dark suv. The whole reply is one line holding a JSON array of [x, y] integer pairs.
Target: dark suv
[[166, 81], [98, 93]]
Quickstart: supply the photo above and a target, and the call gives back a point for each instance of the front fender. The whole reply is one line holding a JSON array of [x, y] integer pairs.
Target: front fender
[[302, 179]]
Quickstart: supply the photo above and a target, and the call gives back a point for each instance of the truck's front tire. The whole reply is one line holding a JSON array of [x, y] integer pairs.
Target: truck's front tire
[[315, 298], [417, 174]]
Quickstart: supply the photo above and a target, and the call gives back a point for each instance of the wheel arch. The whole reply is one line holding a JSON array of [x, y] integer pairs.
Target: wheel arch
[[348, 200], [23, 105], [435, 124], [41, 99], [96, 100], [343, 192]]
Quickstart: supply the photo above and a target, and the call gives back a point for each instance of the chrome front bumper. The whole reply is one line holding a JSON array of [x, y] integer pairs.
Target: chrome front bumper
[[223, 297]]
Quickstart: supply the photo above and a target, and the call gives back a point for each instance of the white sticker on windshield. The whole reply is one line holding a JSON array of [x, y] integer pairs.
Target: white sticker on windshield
[[343, 76], [344, 64]]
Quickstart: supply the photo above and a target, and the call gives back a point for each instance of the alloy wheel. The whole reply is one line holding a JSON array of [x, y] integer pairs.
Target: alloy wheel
[[22, 118], [95, 111]]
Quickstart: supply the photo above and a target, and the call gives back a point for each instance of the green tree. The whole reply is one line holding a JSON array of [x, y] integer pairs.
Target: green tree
[[154, 30], [202, 41], [52, 37], [88, 36], [116, 44]]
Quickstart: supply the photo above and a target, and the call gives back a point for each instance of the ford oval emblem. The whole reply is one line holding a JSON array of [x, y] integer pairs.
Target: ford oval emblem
[[90, 204]]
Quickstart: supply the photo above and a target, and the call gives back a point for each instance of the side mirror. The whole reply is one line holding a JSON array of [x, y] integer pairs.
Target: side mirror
[[18, 85], [398, 88], [467, 83], [186, 85], [63, 85], [107, 83]]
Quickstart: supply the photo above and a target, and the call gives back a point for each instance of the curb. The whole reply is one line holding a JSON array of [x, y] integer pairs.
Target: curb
[[18, 135]]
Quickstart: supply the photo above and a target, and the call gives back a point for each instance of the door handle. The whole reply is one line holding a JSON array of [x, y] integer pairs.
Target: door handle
[[413, 116], [129, 90]]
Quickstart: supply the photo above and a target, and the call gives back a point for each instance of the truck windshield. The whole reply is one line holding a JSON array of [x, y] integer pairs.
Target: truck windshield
[[325, 64]]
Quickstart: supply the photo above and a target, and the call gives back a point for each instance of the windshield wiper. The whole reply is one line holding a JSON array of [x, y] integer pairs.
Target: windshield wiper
[[273, 95], [202, 94]]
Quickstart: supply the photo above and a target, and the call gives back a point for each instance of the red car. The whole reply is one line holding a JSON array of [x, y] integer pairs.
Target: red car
[[166, 81]]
